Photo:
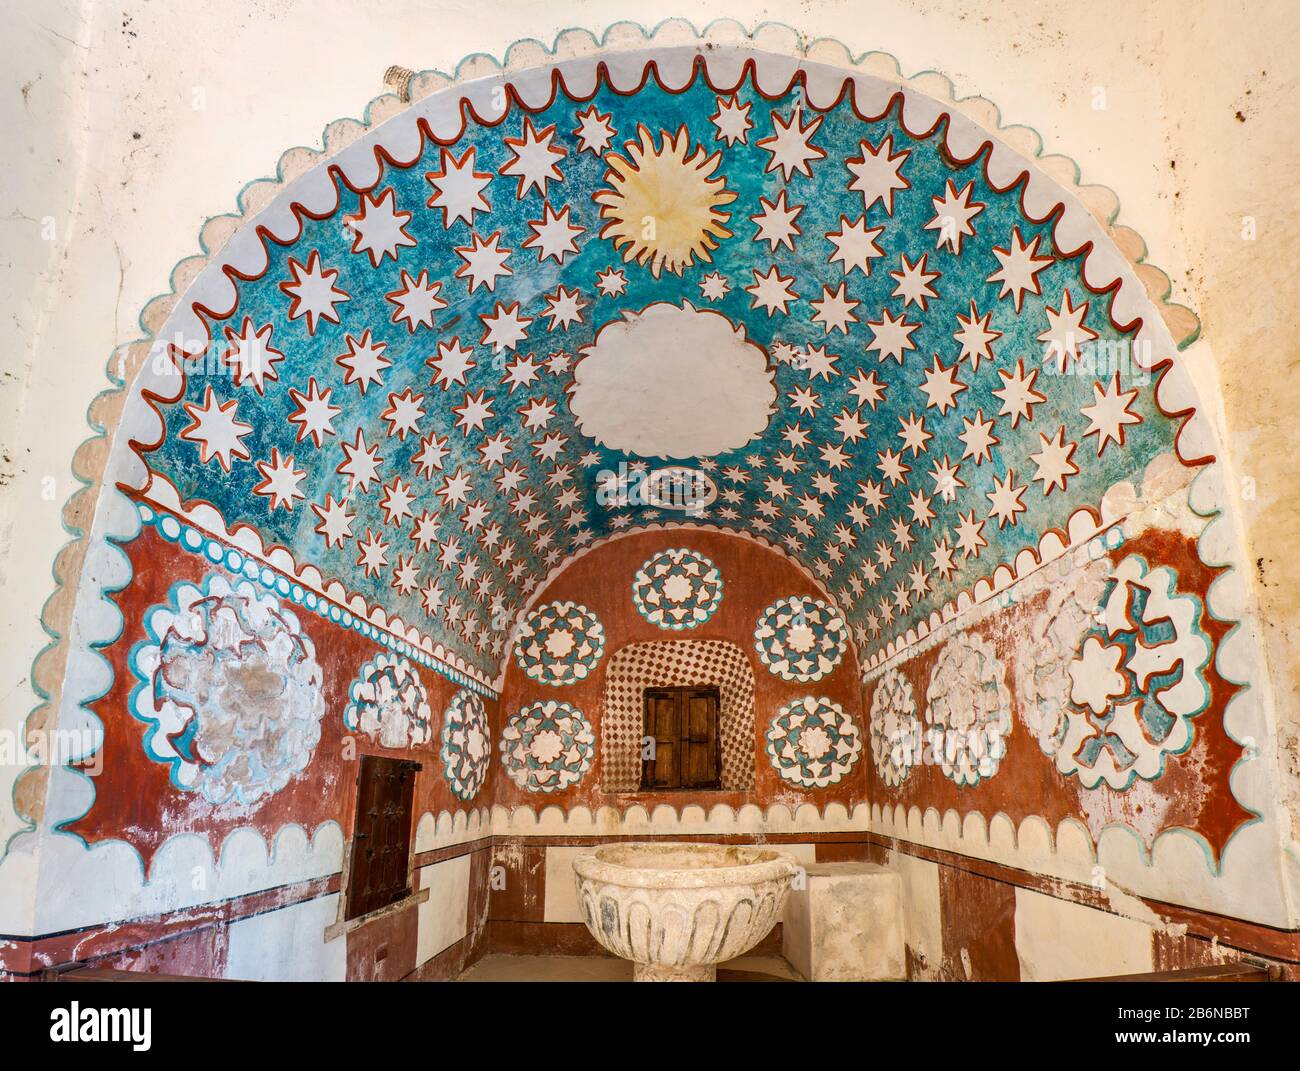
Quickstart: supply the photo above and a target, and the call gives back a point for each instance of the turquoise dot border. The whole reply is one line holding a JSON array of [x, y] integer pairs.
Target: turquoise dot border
[[201, 544]]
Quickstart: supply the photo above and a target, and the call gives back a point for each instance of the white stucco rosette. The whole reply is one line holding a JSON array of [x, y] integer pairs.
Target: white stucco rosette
[[230, 688], [813, 742], [895, 730], [1137, 680], [801, 638], [547, 746], [1043, 663], [560, 643], [466, 744], [1114, 673], [389, 703], [677, 589], [968, 709]]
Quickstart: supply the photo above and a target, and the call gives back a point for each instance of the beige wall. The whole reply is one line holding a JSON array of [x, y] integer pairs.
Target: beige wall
[[128, 124]]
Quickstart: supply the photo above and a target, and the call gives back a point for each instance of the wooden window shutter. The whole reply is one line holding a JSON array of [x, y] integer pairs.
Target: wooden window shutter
[[381, 847], [683, 722], [702, 760]]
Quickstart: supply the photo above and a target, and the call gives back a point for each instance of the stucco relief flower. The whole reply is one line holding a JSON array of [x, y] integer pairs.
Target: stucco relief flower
[[466, 744], [677, 589], [895, 730], [801, 638], [1137, 680], [230, 688], [813, 742], [547, 747], [560, 643], [1095, 678], [968, 709], [1042, 663], [390, 704]]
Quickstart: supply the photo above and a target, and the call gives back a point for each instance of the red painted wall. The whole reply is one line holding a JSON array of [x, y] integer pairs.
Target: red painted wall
[[1192, 793], [754, 577], [135, 800]]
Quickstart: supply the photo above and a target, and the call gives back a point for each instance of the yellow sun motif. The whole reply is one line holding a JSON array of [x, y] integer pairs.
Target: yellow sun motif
[[662, 205]]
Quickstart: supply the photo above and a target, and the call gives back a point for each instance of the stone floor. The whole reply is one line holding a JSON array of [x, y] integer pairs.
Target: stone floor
[[500, 968]]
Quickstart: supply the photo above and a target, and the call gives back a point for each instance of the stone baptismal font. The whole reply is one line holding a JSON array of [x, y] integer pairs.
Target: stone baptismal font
[[678, 910]]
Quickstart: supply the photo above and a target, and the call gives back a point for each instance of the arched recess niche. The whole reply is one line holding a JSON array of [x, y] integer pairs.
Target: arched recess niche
[[1180, 481], [669, 663]]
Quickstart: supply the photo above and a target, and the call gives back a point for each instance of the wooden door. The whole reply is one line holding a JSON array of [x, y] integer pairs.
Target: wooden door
[[381, 848]]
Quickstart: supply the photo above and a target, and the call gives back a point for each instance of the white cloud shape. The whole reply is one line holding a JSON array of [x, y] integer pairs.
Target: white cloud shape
[[672, 382]]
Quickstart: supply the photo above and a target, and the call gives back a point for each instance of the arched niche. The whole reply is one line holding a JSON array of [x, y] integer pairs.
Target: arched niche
[[203, 443]]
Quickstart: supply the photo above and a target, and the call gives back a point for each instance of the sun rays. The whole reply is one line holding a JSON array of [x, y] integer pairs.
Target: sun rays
[[663, 203]]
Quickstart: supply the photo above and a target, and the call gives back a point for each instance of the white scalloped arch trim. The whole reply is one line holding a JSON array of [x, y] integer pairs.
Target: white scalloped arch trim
[[80, 885], [1176, 870], [665, 820]]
